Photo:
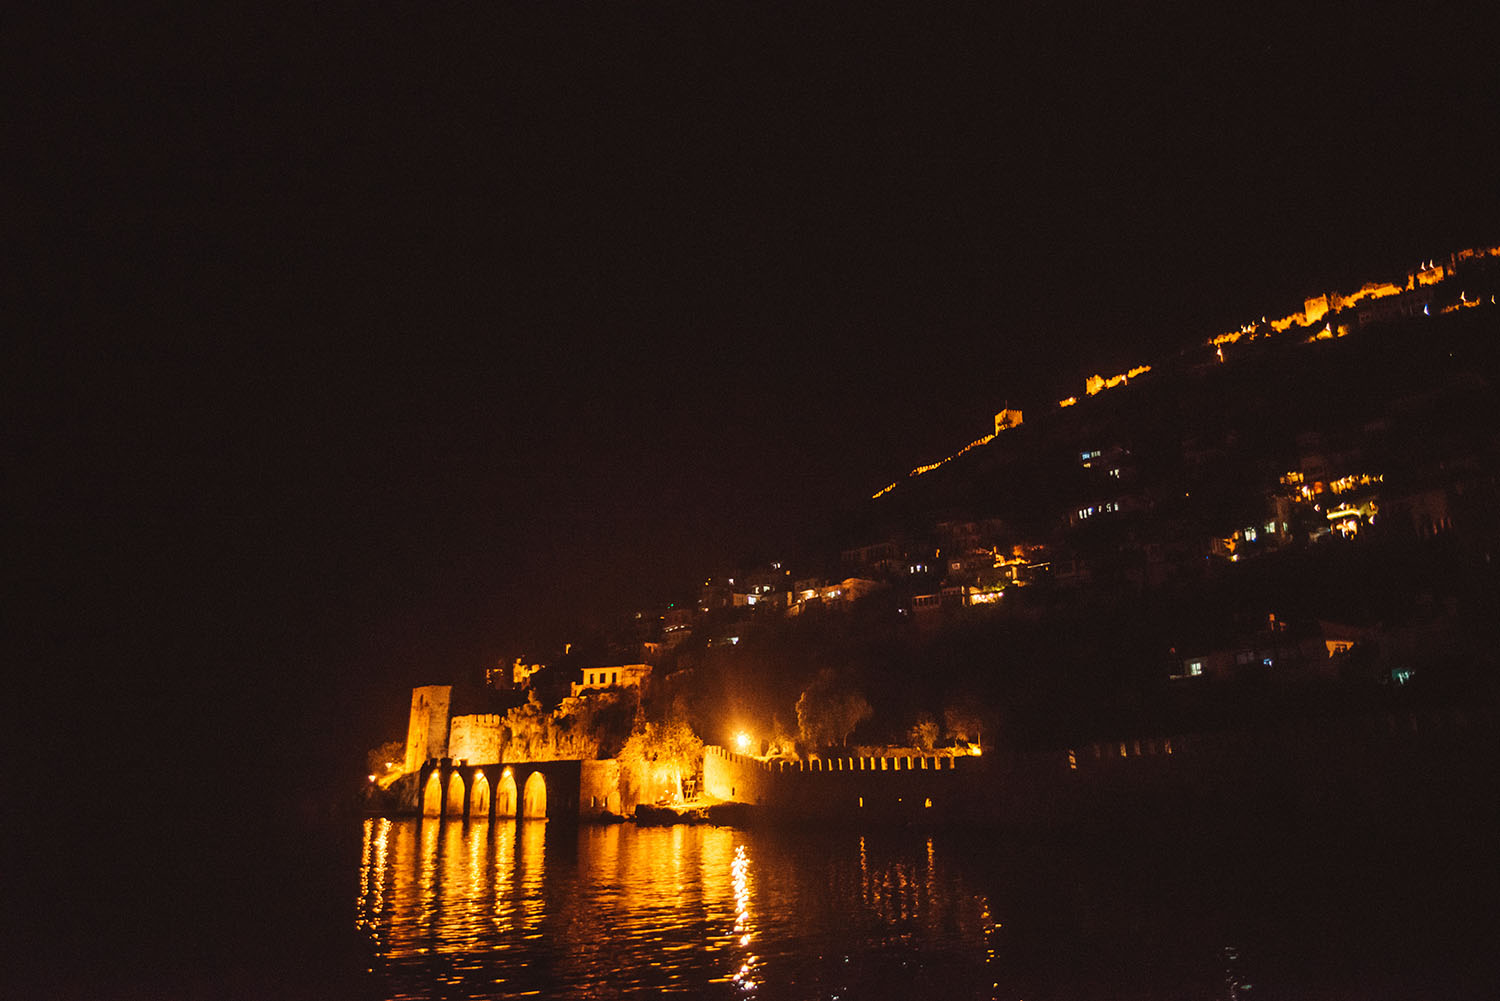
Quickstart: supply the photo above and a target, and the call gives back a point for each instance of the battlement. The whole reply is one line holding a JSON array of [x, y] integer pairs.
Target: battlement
[[909, 763], [478, 738], [888, 789]]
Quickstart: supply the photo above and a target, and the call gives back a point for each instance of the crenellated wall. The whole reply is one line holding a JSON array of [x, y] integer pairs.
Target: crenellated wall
[[899, 788], [477, 739]]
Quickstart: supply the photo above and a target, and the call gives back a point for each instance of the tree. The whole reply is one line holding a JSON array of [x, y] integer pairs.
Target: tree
[[924, 734], [665, 752], [387, 762], [964, 722], [782, 743], [828, 711]]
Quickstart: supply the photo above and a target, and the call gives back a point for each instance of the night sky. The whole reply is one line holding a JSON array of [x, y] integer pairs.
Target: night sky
[[361, 347]]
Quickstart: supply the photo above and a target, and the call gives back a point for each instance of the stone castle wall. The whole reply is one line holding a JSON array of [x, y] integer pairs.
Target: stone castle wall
[[477, 739], [901, 788], [427, 727]]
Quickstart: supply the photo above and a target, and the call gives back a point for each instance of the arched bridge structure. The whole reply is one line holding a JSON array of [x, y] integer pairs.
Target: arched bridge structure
[[519, 790]]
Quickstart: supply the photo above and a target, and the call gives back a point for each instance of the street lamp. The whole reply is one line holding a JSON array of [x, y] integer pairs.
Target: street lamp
[[742, 741]]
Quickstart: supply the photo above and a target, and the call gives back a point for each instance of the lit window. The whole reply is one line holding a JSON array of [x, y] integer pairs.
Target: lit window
[[1195, 669], [1250, 534]]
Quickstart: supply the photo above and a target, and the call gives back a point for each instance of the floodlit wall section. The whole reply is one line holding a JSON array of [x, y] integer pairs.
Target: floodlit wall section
[[476, 739], [427, 727], [895, 787], [600, 791]]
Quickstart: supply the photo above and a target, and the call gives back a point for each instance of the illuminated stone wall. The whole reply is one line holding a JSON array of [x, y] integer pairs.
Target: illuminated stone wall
[[600, 791], [427, 729], [735, 777], [476, 739], [885, 789]]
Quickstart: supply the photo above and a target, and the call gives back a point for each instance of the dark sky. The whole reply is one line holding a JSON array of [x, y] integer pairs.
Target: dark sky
[[360, 347]]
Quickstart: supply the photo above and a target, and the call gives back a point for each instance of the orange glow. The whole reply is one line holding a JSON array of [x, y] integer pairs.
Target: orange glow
[[934, 465], [1096, 384], [534, 797], [739, 874], [1068, 402]]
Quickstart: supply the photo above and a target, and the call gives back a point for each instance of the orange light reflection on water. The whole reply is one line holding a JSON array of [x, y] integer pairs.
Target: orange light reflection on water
[[739, 875]]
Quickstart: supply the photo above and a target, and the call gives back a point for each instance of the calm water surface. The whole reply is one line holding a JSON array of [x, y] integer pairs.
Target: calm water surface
[[609, 911], [543, 910]]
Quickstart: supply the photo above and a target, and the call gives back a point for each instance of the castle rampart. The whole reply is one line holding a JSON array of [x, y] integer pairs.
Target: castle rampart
[[427, 726], [899, 788], [477, 739]]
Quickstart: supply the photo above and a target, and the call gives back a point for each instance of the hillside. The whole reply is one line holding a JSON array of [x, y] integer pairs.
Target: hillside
[[1249, 516], [1295, 519]]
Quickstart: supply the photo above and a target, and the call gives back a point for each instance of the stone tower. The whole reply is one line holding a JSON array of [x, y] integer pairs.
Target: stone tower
[[427, 732]]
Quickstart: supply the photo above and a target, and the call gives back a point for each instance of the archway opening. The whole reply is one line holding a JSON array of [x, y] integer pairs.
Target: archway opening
[[505, 795], [479, 796], [432, 795], [455, 805], [534, 800]]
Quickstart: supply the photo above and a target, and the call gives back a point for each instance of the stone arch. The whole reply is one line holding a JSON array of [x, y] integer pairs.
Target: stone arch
[[534, 796], [479, 796], [505, 795], [455, 804], [432, 795]]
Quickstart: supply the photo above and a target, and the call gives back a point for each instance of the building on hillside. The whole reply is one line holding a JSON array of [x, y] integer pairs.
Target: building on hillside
[[1263, 654], [1069, 571], [842, 592], [1105, 506], [618, 676], [1428, 512], [516, 674], [881, 557], [761, 599], [717, 592], [676, 625]]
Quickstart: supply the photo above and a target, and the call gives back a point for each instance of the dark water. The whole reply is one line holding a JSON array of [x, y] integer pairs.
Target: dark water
[[269, 907], [539, 910], [706, 912]]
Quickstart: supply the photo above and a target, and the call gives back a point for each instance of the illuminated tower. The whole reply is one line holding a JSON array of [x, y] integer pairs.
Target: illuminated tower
[[427, 732]]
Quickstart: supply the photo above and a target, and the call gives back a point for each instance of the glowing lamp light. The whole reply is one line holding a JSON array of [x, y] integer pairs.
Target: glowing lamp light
[[742, 741]]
